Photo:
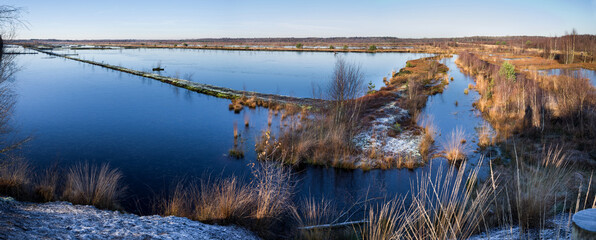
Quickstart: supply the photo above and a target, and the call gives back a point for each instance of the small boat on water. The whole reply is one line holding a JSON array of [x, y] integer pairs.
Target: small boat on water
[[158, 69]]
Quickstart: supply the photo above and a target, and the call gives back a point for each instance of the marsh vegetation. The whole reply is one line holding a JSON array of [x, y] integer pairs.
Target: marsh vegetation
[[531, 160]]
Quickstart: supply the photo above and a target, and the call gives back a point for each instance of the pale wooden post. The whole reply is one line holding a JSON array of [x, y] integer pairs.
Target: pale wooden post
[[584, 225]]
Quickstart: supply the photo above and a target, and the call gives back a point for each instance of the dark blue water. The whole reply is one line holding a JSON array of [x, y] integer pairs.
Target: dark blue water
[[448, 117], [152, 131], [575, 72], [157, 134], [287, 73]]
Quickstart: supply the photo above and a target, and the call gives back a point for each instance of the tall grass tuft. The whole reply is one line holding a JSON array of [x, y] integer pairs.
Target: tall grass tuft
[[385, 221], [484, 136], [236, 134], [273, 187], [453, 148], [312, 212], [178, 204], [444, 205], [450, 206], [14, 176], [537, 187], [90, 185], [223, 201], [246, 120], [428, 137], [258, 205], [45, 188]]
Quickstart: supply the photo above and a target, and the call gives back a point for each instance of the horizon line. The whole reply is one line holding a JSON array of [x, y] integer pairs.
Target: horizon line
[[248, 38]]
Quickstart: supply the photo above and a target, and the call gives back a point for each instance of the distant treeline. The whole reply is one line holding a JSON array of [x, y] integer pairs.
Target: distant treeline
[[388, 40], [568, 48], [534, 40]]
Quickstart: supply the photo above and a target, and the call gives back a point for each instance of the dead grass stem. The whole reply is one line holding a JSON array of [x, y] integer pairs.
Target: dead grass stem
[[453, 147], [87, 184]]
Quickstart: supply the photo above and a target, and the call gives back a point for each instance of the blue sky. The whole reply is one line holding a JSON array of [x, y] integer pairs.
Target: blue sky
[[183, 19]]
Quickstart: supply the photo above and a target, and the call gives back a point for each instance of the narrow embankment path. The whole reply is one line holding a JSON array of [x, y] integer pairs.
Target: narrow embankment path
[[220, 92]]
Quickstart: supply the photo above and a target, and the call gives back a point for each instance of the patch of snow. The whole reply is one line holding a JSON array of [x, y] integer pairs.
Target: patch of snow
[[376, 135], [559, 228], [62, 220]]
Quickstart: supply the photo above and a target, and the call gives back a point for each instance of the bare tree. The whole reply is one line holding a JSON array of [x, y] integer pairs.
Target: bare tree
[[573, 34], [346, 85], [347, 81], [10, 20]]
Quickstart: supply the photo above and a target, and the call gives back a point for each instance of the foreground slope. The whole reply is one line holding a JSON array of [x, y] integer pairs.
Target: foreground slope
[[62, 220]]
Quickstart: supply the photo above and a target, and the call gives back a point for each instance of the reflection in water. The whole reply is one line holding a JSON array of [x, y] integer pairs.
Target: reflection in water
[[8, 68], [156, 136], [286, 73], [573, 72]]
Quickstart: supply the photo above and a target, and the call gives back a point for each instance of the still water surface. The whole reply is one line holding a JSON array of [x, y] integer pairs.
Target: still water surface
[[287, 73], [574, 72], [157, 134]]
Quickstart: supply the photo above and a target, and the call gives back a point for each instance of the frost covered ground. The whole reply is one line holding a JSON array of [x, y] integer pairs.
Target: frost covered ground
[[558, 227], [62, 220], [375, 135]]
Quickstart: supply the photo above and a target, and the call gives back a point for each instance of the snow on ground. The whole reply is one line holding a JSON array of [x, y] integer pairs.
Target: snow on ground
[[62, 220], [559, 227], [375, 136]]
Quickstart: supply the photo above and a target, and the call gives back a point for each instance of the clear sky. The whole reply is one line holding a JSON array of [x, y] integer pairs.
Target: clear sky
[[183, 19]]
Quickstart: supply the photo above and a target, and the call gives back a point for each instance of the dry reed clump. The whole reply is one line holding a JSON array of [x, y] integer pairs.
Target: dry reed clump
[[236, 133], [485, 138], [445, 205], [273, 187], [236, 105], [177, 203], [14, 176], [46, 187], [394, 161], [453, 148], [312, 212], [89, 185], [384, 221], [258, 205], [537, 190], [320, 219], [324, 138], [222, 201], [236, 152], [318, 141], [246, 120], [428, 138], [252, 102]]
